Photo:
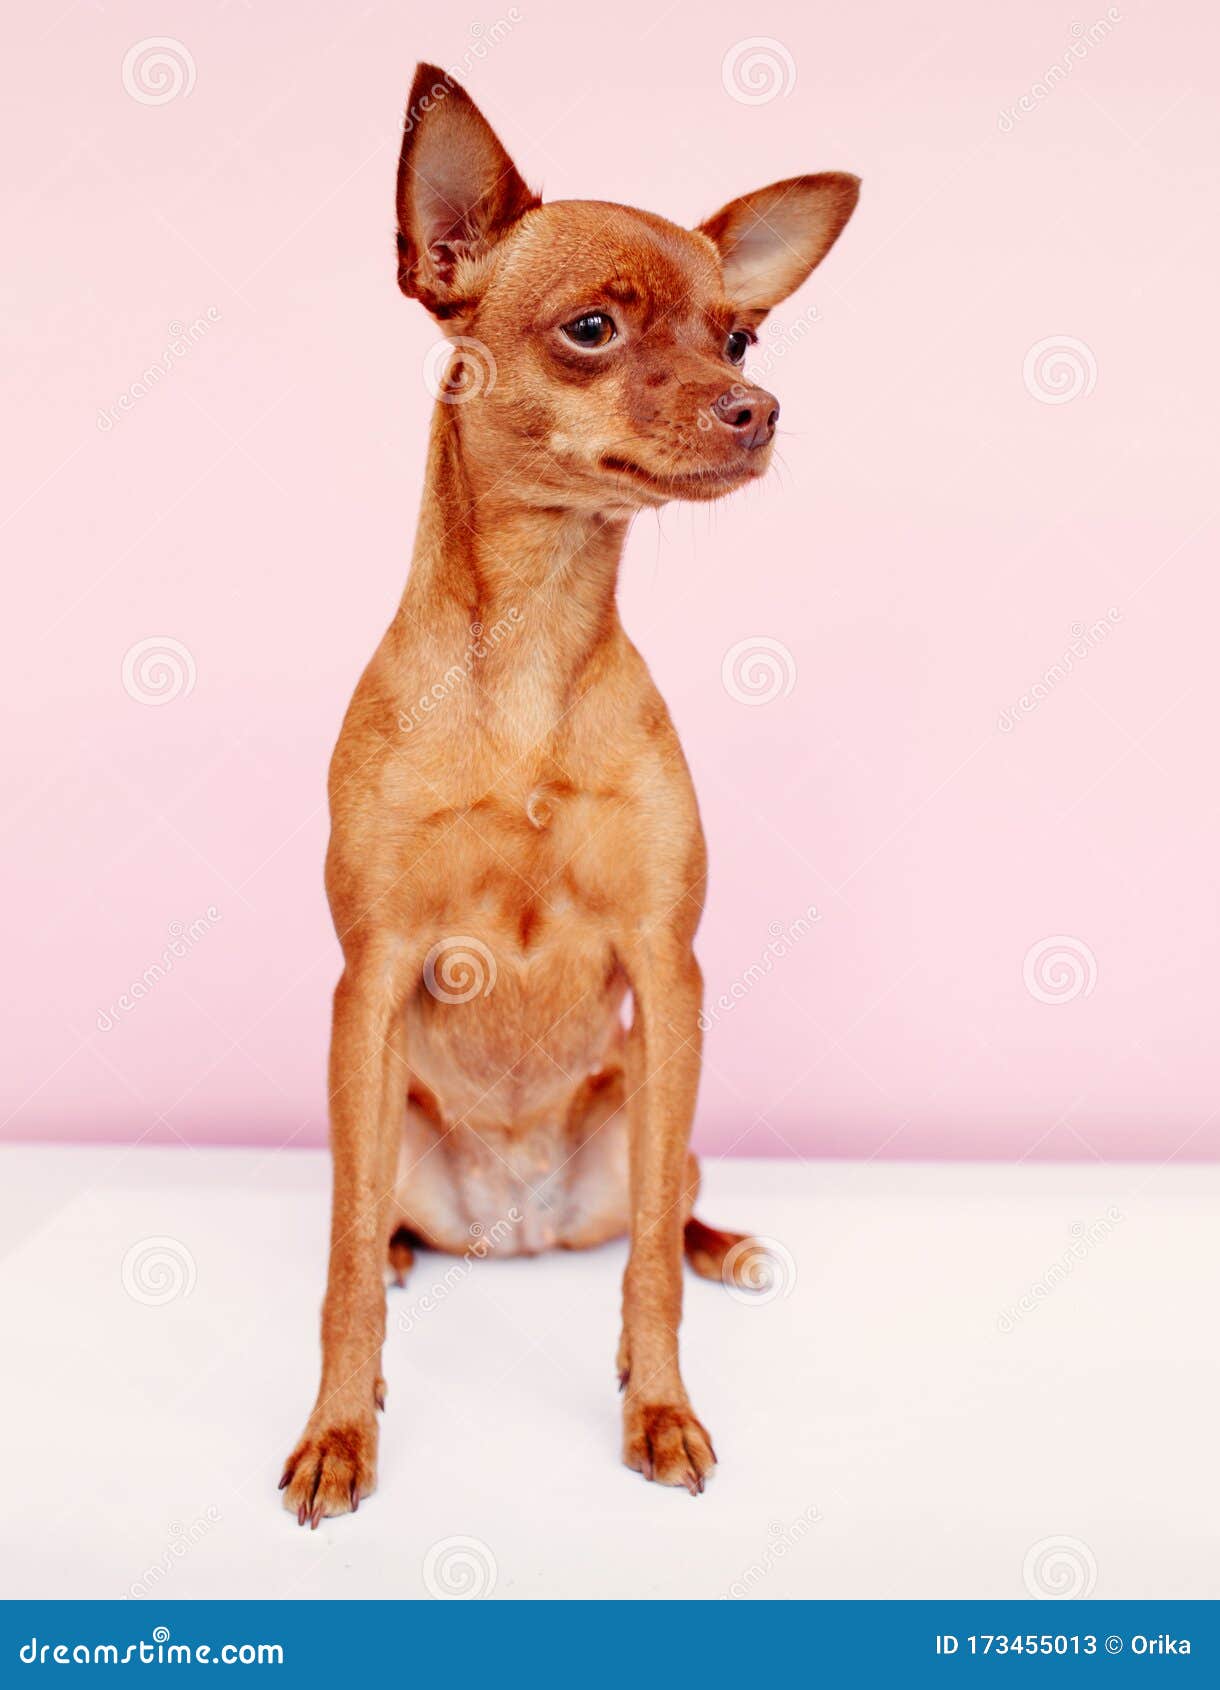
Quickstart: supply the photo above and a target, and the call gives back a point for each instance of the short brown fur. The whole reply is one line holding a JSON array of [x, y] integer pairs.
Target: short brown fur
[[510, 805]]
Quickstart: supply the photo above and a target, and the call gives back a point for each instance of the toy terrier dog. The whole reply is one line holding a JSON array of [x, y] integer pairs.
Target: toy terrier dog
[[515, 844]]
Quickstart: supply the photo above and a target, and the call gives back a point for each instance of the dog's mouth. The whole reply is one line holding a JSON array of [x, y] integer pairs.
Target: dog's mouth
[[708, 482]]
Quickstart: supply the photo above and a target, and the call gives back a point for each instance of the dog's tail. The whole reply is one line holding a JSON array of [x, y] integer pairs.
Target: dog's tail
[[734, 1258]]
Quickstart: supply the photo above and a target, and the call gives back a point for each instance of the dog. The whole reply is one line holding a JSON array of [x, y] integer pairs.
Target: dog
[[516, 853]]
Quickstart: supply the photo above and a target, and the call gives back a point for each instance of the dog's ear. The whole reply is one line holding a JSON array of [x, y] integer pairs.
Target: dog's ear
[[770, 240], [457, 193]]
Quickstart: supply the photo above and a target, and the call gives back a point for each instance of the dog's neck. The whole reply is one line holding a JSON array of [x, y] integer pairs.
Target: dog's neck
[[490, 567]]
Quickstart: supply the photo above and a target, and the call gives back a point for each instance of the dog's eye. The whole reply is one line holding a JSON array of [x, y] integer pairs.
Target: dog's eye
[[593, 329], [735, 346]]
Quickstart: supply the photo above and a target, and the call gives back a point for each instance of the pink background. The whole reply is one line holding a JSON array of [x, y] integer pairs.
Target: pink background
[[933, 535]]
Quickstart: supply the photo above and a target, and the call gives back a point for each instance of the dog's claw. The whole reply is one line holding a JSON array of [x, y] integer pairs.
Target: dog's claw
[[379, 1394], [302, 1514], [315, 1517], [284, 1482], [624, 1375]]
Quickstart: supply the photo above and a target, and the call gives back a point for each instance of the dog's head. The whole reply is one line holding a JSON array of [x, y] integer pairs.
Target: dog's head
[[602, 347]]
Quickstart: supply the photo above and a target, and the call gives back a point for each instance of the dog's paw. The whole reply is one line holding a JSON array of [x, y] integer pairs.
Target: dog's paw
[[665, 1442], [331, 1469]]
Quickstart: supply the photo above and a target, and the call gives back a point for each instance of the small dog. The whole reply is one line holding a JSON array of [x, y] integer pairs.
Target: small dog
[[515, 841]]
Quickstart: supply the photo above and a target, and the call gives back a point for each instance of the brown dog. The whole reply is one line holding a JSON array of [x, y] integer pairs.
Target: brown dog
[[515, 841]]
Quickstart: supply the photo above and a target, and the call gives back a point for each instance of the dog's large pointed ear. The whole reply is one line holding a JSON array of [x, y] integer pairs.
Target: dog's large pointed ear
[[770, 240], [458, 191]]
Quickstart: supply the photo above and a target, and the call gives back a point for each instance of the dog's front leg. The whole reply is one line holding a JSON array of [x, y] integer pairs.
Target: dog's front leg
[[335, 1462], [662, 1438]]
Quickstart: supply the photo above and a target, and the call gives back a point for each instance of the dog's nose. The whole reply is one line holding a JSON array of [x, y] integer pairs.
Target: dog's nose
[[750, 413]]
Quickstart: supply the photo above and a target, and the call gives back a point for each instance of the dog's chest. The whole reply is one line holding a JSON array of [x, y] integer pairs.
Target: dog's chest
[[521, 969], [537, 860]]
